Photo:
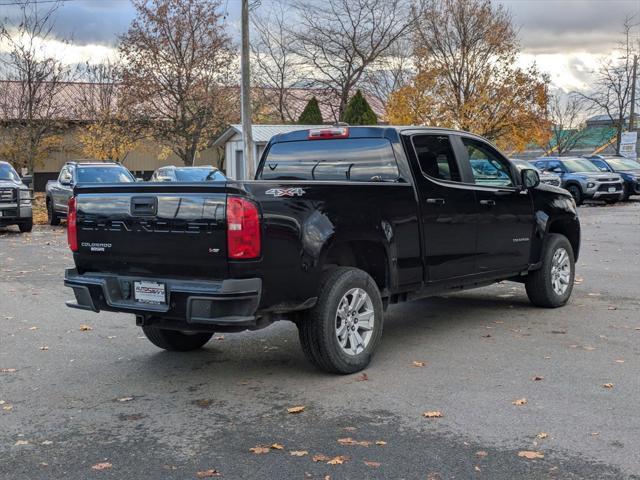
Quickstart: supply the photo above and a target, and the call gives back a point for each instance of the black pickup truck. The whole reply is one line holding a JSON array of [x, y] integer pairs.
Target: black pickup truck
[[339, 223]]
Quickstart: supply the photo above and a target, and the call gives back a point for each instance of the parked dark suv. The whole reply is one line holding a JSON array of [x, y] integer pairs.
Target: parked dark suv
[[583, 179], [61, 190], [15, 200], [628, 169]]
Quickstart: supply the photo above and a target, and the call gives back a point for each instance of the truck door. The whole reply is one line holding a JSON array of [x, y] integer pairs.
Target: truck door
[[448, 209], [505, 214]]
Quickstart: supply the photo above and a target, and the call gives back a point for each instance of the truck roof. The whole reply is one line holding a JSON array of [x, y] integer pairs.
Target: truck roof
[[375, 131], [93, 163]]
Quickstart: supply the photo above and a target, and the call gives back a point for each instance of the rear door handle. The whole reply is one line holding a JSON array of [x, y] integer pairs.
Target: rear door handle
[[435, 201], [489, 203]]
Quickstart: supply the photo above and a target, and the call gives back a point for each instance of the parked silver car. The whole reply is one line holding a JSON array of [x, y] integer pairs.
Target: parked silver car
[[547, 178]]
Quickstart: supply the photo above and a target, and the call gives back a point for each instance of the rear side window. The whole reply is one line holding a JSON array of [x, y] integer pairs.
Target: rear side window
[[436, 158], [349, 159]]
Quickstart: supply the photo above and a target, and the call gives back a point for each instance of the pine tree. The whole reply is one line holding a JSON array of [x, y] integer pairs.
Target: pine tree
[[358, 111], [311, 114]]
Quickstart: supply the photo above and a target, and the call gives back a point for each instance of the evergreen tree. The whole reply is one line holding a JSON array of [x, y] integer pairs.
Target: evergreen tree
[[358, 111], [311, 114]]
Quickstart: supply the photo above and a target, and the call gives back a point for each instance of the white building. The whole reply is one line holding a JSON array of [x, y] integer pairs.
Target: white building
[[231, 140]]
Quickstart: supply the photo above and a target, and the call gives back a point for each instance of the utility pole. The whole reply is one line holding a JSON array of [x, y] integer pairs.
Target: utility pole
[[632, 113], [245, 93]]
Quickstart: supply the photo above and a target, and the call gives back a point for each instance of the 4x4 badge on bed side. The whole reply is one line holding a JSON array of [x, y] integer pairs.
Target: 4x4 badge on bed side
[[285, 192]]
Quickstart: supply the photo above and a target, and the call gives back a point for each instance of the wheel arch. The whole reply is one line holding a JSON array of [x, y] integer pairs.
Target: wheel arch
[[370, 256], [570, 228]]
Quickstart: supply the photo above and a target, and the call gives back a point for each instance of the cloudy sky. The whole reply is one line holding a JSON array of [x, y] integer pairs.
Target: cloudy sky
[[566, 38]]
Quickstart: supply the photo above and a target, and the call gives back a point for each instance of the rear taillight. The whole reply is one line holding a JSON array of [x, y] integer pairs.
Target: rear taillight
[[243, 228], [72, 229]]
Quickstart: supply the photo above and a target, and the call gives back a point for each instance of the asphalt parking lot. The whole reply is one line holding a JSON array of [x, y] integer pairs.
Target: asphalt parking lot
[[102, 402]]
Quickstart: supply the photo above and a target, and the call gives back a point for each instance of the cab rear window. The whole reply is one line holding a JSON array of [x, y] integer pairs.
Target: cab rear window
[[349, 159]]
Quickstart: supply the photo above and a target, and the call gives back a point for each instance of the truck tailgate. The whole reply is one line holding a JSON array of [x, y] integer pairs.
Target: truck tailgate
[[170, 230]]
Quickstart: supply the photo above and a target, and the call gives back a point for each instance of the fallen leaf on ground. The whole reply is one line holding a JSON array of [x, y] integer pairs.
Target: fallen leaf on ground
[[44, 348], [33, 328], [320, 457], [531, 455], [542, 435], [351, 441], [21, 442], [219, 337], [296, 409], [47, 442], [369, 463], [612, 307], [481, 454], [277, 446], [203, 402], [208, 473], [362, 378], [477, 468], [417, 363], [124, 399], [85, 328], [102, 466], [620, 361], [7, 370], [7, 408], [259, 450], [608, 385], [339, 460], [432, 414], [298, 453], [520, 401], [381, 442], [537, 378]]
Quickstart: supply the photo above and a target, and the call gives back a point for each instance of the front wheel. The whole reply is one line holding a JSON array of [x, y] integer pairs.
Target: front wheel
[[576, 193], [551, 285], [175, 340], [26, 227], [52, 216], [340, 333]]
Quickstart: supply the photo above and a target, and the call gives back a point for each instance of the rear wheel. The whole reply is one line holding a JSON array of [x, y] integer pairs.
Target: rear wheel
[[26, 227], [52, 217], [576, 193], [551, 285], [625, 193], [175, 340], [340, 333]]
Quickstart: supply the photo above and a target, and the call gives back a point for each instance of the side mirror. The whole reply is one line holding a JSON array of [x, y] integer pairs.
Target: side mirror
[[27, 180], [530, 178], [66, 183]]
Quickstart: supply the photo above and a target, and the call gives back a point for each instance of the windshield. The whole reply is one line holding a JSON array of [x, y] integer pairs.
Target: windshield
[[199, 175], [579, 165], [103, 175], [623, 164], [8, 173]]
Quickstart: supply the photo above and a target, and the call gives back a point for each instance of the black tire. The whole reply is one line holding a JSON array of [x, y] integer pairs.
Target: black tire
[[26, 227], [539, 282], [317, 328], [174, 340], [626, 194], [576, 193], [52, 216]]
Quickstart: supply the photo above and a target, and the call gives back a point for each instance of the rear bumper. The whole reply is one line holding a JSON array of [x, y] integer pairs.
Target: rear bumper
[[198, 302]]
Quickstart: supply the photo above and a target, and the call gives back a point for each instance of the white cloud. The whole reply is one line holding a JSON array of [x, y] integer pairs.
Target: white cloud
[[567, 71]]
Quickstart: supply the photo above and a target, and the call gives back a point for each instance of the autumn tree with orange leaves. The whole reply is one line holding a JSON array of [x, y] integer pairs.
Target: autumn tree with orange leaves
[[466, 76]]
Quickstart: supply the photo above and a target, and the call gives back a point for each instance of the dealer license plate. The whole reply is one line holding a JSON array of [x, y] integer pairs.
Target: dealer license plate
[[612, 189], [149, 292]]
